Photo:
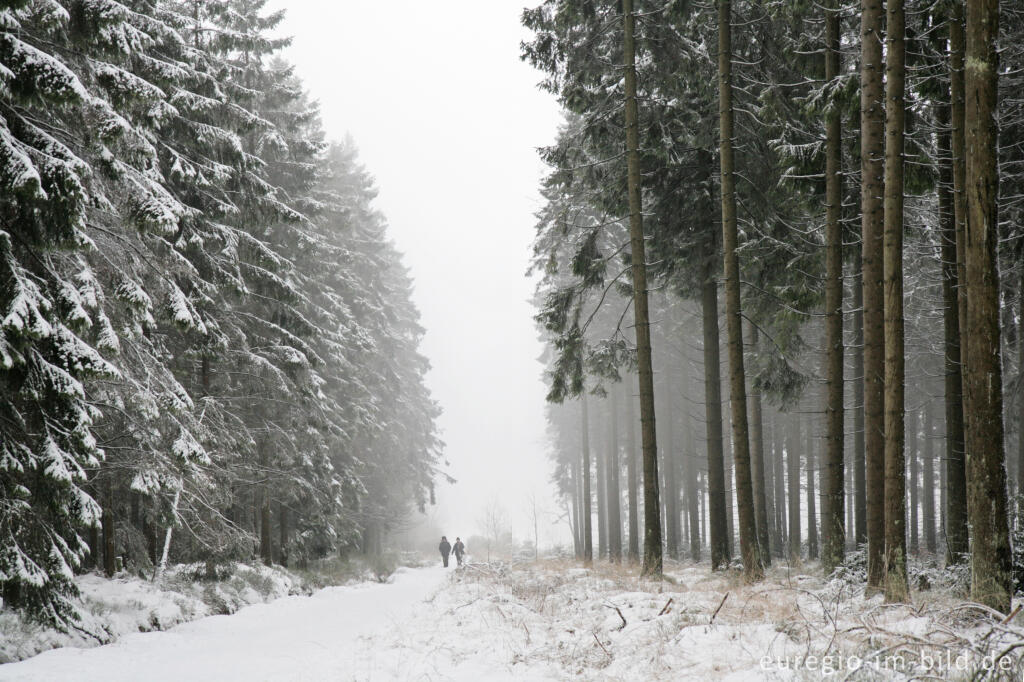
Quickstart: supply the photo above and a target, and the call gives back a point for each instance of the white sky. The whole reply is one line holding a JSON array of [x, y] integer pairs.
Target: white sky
[[447, 118]]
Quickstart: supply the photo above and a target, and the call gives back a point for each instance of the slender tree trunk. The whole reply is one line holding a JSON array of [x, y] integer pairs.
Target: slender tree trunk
[[812, 512], [991, 565], [716, 511], [109, 543], [860, 522], [730, 483], [631, 474], [912, 450], [575, 521], [692, 491], [769, 490], [612, 478], [928, 484], [588, 533], [757, 466], [793, 474], [753, 569], [953, 386], [652, 565], [896, 586], [832, 520], [602, 505], [872, 127], [266, 544], [671, 457], [956, 457], [282, 516], [780, 487]]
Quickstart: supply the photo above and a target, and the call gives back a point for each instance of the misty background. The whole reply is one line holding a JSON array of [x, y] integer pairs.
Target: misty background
[[457, 171]]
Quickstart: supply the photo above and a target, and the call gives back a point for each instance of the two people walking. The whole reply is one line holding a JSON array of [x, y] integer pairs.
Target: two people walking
[[459, 550]]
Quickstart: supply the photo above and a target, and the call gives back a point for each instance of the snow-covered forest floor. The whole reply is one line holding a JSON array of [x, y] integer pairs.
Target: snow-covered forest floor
[[555, 620]]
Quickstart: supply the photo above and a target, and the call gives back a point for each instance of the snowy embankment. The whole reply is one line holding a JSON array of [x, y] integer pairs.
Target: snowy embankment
[[114, 607], [556, 621]]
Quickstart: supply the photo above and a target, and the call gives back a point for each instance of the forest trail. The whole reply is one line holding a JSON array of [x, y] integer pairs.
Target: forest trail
[[328, 635]]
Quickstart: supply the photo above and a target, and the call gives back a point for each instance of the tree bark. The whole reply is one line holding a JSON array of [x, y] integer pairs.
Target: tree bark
[[872, 126], [718, 530], [956, 457], [652, 564], [991, 561], [757, 466], [833, 520]]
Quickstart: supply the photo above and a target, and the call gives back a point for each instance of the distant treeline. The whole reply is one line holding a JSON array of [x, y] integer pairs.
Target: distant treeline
[[203, 325]]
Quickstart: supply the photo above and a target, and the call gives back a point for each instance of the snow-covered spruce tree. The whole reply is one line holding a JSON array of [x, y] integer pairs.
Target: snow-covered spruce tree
[[46, 441]]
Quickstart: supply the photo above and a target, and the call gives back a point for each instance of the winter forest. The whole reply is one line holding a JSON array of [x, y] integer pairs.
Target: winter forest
[[209, 350], [840, 189], [774, 301]]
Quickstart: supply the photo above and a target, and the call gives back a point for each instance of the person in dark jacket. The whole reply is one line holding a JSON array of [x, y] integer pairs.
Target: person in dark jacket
[[458, 550], [445, 549]]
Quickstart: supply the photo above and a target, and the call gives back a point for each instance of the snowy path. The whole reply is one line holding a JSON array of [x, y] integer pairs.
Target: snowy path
[[325, 636]]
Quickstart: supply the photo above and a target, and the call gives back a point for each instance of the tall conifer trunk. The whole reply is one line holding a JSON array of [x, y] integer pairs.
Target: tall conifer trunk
[[832, 520], [896, 586], [991, 564], [752, 566], [652, 564], [872, 127], [956, 455], [716, 510], [757, 466], [953, 378]]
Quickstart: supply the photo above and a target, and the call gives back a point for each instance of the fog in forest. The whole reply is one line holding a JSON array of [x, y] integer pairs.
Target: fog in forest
[[448, 118], [592, 339]]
